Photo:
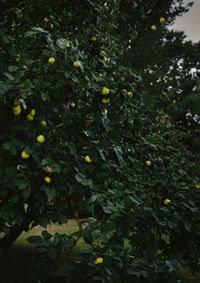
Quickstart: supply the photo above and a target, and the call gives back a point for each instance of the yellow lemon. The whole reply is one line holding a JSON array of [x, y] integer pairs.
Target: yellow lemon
[[162, 20], [102, 53], [40, 139], [43, 123], [76, 64], [51, 60], [129, 93], [18, 55], [197, 186], [105, 90], [105, 111], [17, 110], [18, 167], [48, 169], [93, 38], [167, 201], [87, 159], [153, 27], [98, 260], [24, 155], [33, 112], [105, 100], [124, 90], [51, 25], [148, 163], [47, 179], [101, 75], [72, 104], [46, 19], [29, 117]]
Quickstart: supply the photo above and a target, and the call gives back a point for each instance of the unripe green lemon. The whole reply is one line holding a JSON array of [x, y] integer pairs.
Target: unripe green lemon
[[102, 53]]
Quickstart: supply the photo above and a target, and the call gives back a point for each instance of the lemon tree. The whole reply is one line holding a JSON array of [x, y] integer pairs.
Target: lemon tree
[[77, 136]]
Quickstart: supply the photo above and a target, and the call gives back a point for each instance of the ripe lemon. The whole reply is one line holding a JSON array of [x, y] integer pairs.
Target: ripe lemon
[[167, 201], [98, 260], [48, 169], [197, 186], [87, 159], [72, 104], [46, 19], [148, 163], [24, 155], [47, 179], [76, 64], [93, 38], [105, 100], [43, 123], [124, 90], [105, 111], [17, 110], [101, 75], [105, 90], [153, 27], [162, 20], [51, 60], [102, 53], [40, 139], [29, 117], [18, 167], [33, 112], [129, 93], [51, 25]]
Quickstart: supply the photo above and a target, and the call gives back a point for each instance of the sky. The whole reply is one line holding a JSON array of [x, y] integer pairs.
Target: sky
[[190, 22]]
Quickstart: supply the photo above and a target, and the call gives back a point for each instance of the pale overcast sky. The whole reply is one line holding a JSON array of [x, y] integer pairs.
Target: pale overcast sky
[[190, 22]]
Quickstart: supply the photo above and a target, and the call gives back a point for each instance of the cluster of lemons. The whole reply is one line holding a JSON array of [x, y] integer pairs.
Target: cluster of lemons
[[46, 20], [40, 138], [162, 20]]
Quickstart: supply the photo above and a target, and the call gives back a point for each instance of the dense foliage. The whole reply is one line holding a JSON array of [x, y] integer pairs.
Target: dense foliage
[[76, 135]]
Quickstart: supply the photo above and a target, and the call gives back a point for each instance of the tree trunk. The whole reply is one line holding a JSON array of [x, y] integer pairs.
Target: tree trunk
[[15, 231]]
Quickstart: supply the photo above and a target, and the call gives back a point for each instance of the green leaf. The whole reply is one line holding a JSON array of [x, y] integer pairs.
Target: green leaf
[[34, 240], [51, 193]]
